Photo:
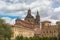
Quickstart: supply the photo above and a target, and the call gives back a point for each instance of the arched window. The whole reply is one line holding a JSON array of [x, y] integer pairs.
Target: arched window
[[50, 32], [54, 31], [47, 31], [43, 31]]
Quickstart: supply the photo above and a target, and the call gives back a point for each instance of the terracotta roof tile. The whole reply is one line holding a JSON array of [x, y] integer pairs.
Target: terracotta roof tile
[[46, 22]]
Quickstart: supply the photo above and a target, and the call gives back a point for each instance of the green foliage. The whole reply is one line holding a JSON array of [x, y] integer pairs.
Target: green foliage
[[35, 38], [19, 38], [5, 31]]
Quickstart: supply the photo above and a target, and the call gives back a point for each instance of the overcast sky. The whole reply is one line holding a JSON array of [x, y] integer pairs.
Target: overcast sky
[[12, 9]]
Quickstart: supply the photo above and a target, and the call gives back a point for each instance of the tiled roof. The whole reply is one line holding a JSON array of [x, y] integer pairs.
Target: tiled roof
[[26, 24], [46, 22]]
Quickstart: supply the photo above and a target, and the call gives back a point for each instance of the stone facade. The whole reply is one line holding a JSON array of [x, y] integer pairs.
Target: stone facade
[[22, 31], [31, 26]]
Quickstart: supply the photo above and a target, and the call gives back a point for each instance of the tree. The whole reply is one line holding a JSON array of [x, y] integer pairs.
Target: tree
[[25, 38], [5, 30], [17, 38]]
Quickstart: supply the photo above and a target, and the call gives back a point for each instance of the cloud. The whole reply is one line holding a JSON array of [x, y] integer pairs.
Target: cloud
[[56, 0], [53, 21], [23, 6], [57, 9], [56, 14], [9, 20], [20, 7]]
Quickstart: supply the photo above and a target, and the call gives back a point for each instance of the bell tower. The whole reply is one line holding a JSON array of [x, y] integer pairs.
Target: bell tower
[[29, 18], [29, 13], [37, 20]]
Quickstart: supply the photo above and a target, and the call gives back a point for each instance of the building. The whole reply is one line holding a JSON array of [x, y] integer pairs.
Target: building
[[31, 26]]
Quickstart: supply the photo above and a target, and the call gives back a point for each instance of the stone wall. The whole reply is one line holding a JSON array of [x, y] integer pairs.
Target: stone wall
[[21, 31]]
